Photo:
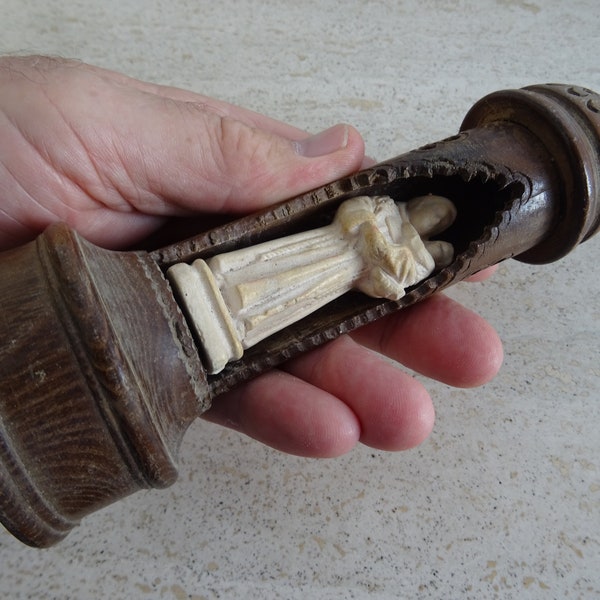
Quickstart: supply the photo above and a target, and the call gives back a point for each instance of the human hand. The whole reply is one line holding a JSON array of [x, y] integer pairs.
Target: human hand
[[115, 158]]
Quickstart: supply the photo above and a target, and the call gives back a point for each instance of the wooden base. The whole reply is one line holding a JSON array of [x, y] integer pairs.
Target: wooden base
[[99, 380]]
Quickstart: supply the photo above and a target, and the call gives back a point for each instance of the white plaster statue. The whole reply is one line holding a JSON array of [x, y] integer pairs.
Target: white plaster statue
[[374, 245]]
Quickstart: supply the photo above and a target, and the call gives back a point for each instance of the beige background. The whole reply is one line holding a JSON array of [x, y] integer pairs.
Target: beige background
[[503, 500]]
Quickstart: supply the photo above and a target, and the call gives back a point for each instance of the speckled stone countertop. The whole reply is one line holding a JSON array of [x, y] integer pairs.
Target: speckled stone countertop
[[503, 500]]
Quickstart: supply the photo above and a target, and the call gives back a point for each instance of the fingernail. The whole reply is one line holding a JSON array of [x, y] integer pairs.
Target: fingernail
[[368, 161], [331, 140]]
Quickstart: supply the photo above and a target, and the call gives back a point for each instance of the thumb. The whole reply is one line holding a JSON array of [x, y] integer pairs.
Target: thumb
[[222, 164], [113, 156]]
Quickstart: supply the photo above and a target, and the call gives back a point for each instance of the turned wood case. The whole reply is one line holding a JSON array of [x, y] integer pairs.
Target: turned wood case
[[100, 375]]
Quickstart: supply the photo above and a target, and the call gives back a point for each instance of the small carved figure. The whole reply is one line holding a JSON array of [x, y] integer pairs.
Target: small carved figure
[[374, 245]]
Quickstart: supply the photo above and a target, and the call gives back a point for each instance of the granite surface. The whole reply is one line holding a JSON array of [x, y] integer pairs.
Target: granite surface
[[503, 500]]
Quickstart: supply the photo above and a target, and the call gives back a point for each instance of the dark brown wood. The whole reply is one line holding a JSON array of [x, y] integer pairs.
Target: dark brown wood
[[99, 381], [100, 376]]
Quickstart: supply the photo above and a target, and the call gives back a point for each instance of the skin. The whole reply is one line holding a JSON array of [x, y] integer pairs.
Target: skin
[[117, 159]]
